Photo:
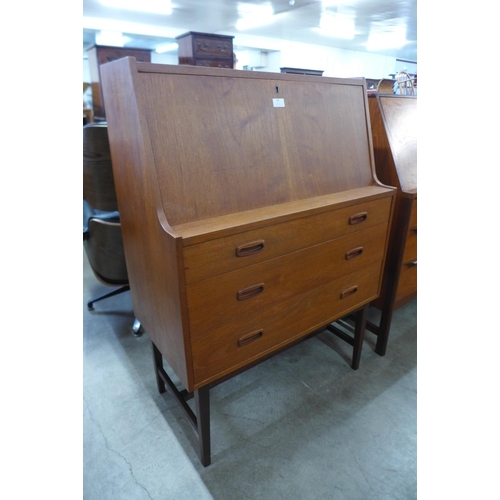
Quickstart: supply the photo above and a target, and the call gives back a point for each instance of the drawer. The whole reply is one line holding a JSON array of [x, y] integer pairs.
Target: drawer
[[407, 284], [410, 252], [242, 341], [246, 293], [413, 216], [214, 63], [222, 255], [110, 54], [209, 47]]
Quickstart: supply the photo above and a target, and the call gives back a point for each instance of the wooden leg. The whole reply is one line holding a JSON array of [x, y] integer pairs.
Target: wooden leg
[[359, 335], [201, 420], [158, 363], [383, 332], [202, 401]]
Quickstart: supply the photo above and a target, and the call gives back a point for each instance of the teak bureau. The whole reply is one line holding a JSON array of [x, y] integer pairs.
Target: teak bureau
[[394, 132], [250, 210]]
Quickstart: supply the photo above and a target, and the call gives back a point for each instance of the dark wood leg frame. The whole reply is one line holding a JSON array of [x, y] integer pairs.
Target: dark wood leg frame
[[200, 421], [381, 331], [359, 335]]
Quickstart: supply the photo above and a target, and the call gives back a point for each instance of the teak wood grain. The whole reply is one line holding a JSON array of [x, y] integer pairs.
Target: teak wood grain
[[219, 256], [267, 173], [204, 163], [394, 134], [218, 353], [281, 278]]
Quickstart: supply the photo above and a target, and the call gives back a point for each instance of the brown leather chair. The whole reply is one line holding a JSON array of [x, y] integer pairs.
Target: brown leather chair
[[102, 236]]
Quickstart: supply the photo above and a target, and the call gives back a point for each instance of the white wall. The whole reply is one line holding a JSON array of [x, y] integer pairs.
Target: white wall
[[336, 62], [333, 62]]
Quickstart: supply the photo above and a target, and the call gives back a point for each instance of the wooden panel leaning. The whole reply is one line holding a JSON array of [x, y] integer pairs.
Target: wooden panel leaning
[[251, 213], [394, 130]]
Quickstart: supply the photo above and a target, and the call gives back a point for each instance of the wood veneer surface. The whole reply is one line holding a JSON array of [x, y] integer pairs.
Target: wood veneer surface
[[400, 117], [252, 154], [202, 156]]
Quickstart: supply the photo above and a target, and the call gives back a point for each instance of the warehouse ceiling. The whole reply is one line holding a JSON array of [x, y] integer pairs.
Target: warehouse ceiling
[[385, 27]]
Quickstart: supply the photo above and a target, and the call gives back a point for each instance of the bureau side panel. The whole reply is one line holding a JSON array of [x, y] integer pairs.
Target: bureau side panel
[[154, 257], [384, 162], [399, 114]]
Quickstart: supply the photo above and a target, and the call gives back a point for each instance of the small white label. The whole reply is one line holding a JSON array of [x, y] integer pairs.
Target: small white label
[[279, 103]]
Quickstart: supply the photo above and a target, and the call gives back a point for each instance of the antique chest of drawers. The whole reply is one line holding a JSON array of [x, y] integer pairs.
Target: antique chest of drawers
[[251, 214], [394, 130], [206, 49], [101, 54]]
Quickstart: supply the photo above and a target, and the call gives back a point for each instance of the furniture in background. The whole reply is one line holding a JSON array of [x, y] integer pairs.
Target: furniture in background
[[385, 86], [300, 71], [205, 49], [102, 239], [250, 211], [100, 54], [394, 132], [102, 236], [88, 112], [405, 83], [88, 116]]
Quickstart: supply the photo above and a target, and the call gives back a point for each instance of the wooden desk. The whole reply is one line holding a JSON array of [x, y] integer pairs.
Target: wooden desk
[[248, 222], [394, 130]]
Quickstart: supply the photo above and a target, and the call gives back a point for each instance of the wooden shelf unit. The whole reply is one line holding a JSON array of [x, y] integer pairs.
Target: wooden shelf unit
[[250, 211]]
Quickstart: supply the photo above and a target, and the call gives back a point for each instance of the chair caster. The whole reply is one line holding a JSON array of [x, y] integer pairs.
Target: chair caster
[[137, 329]]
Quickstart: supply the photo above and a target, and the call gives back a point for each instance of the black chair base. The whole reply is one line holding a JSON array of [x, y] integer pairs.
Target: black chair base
[[90, 304], [137, 329]]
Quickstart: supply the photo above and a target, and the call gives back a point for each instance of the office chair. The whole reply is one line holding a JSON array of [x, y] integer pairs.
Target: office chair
[[102, 236]]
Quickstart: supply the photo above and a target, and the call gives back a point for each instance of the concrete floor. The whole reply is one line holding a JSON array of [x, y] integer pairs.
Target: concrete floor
[[302, 425]]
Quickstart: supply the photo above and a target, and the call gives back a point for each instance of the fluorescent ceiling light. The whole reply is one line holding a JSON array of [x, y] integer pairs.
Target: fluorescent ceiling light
[[333, 3], [167, 48], [392, 38], [336, 25], [113, 38], [152, 6], [254, 15]]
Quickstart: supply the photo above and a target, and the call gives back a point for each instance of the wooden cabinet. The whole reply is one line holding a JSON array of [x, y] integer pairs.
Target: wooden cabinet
[[250, 211], [205, 49], [394, 130], [101, 54]]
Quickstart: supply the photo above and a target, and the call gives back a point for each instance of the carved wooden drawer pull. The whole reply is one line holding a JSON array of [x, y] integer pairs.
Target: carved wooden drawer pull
[[355, 252], [203, 47], [222, 48], [249, 248], [357, 218], [349, 292], [249, 338], [411, 263], [250, 291]]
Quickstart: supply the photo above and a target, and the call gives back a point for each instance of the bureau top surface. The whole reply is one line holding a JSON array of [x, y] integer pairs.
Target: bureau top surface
[[229, 141]]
